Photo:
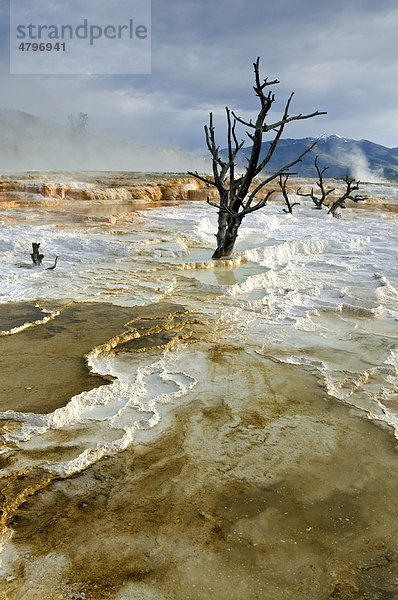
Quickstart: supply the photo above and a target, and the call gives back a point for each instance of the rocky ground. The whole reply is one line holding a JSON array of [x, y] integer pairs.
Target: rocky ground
[[59, 190], [52, 189]]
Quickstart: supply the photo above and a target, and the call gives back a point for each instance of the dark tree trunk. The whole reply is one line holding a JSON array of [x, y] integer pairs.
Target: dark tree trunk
[[226, 239], [222, 229], [37, 258]]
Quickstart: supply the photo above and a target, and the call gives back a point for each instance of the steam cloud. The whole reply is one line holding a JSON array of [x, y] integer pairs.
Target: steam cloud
[[359, 166], [28, 143]]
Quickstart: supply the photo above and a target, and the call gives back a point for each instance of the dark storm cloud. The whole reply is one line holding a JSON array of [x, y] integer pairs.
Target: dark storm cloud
[[338, 56]]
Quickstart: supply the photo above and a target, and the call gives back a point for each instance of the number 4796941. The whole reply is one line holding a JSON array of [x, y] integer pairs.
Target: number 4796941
[[42, 47]]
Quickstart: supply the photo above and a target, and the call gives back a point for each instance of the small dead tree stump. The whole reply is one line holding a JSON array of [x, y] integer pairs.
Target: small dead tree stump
[[36, 256]]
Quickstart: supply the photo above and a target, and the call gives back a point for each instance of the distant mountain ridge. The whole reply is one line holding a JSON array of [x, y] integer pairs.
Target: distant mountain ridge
[[29, 143], [361, 159]]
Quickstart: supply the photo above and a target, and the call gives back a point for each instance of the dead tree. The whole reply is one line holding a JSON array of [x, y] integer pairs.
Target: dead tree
[[235, 200], [351, 186], [319, 202], [36, 257], [282, 184]]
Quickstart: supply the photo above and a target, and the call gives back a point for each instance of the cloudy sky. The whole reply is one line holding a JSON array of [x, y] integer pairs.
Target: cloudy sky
[[339, 55]]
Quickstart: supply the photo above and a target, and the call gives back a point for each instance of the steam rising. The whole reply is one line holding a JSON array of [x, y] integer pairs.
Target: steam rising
[[28, 143], [359, 166]]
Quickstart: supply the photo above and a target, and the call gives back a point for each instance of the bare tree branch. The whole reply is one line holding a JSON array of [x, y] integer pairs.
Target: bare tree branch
[[282, 170], [257, 206], [290, 119], [196, 174]]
